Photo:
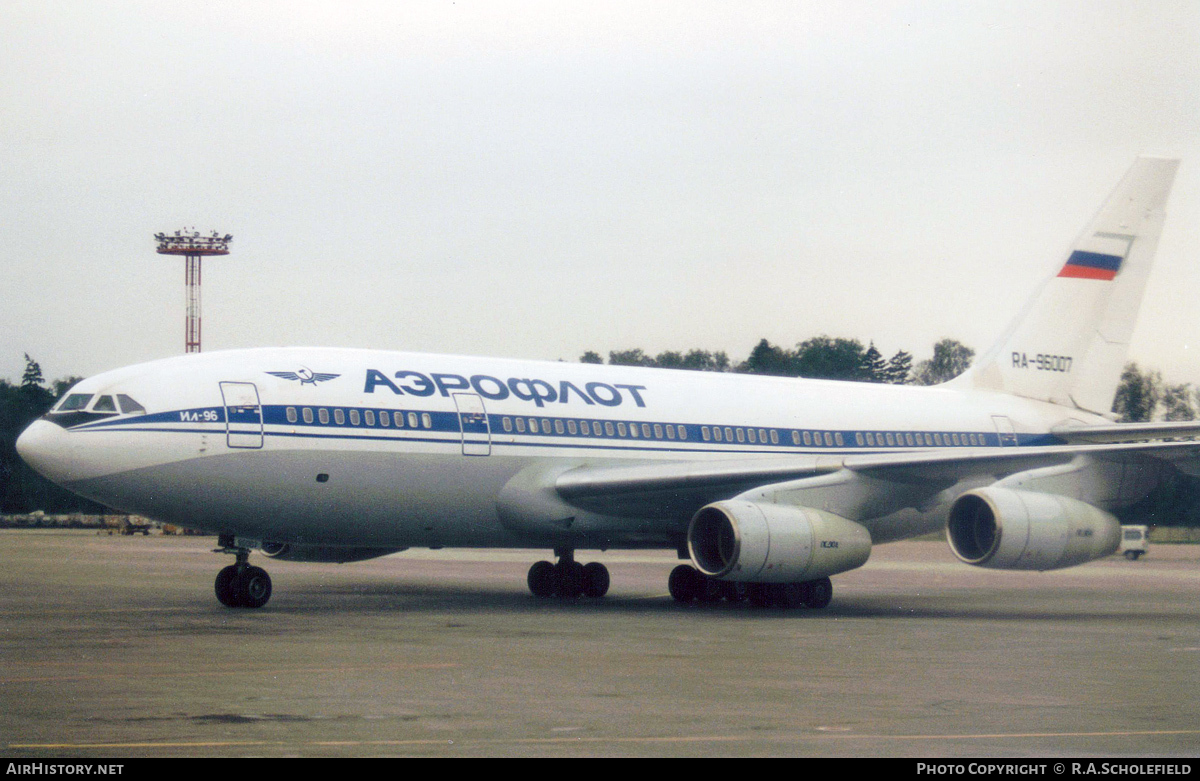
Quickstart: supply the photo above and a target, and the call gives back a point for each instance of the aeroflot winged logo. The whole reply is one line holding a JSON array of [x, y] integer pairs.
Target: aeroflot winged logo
[[305, 375]]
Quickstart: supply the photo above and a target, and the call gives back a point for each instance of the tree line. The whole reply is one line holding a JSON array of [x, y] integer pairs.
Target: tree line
[[1143, 396], [821, 357]]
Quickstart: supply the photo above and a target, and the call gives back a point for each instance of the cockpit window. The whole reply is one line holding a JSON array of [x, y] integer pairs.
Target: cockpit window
[[105, 404], [129, 406], [74, 402]]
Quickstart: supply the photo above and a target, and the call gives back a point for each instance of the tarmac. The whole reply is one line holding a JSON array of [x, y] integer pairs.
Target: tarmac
[[116, 647]]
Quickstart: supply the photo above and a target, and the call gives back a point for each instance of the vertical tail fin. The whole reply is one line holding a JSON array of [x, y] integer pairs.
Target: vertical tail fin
[[1069, 344]]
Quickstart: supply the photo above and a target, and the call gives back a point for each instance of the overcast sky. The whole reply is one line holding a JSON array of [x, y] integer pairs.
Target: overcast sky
[[539, 179]]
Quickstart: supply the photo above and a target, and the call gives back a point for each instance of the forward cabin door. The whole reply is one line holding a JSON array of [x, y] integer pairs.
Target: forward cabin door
[[473, 420], [243, 415]]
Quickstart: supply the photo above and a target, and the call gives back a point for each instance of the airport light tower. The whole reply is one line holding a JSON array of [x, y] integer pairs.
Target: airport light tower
[[193, 247]]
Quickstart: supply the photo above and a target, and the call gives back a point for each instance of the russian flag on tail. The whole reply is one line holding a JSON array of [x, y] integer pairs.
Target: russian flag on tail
[[1091, 265]]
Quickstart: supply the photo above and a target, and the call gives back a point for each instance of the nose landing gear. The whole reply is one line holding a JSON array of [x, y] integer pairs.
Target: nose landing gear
[[240, 584]]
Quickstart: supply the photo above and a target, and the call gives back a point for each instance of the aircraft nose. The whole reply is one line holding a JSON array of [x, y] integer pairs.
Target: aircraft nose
[[45, 446]]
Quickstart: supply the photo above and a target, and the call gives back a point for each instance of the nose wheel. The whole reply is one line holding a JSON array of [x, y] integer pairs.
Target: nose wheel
[[240, 584]]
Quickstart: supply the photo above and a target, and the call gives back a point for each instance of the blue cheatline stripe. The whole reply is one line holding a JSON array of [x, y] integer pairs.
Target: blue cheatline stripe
[[447, 424], [1095, 260]]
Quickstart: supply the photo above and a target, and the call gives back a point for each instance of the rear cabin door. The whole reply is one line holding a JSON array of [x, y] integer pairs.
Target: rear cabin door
[[1005, 430], [243, 415], [473, 419]]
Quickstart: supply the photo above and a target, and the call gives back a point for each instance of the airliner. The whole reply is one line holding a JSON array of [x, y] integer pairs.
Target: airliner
[[765, 486]]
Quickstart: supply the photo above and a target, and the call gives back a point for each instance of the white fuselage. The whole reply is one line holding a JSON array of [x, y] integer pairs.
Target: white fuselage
[[368, 448]]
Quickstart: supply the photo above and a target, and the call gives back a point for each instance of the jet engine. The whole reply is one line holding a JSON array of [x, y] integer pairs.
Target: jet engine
[[774, 543], [330, 554], [1002, 528]]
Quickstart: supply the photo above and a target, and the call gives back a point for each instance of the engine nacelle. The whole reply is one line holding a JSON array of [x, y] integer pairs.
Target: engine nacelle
[[329, 554], [774, 543], [1005, 529]]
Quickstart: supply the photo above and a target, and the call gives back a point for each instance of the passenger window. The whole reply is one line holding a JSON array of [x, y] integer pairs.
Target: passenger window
[[837, 437], [426, 421], [521, 425], [621, 429], [774, 437], [339, 417], [795, 437], [585, 428], [937, 439], [670, 432], [728, 434], [633, 429], [682, 431], [129, 406], [646, 430], [533, 426], [105, 404], [398, 417], [355, 418], [717, 433], [870, 439], [370, 417], [558, 427], [572, 427], [291, 415], [705, 434], [507, 423], [307, 414], [412, 420], [385, 419], [323, 416], [750, 434], [828, 440], [807, 438], [608, 428], [890, 439]]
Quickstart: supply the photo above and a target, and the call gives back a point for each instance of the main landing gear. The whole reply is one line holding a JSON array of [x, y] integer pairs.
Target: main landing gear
[[568, 578], [688, 584], [241, 585]]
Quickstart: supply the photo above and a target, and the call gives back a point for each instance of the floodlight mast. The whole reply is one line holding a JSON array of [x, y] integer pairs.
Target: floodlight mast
[[193, 247]]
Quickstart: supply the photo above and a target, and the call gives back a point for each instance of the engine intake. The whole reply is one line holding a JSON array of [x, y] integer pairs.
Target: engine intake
[[1001, 528], [773, 543]]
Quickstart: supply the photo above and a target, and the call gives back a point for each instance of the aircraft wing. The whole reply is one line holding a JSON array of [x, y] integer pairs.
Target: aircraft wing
[[678, 489], [1129, 432]]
